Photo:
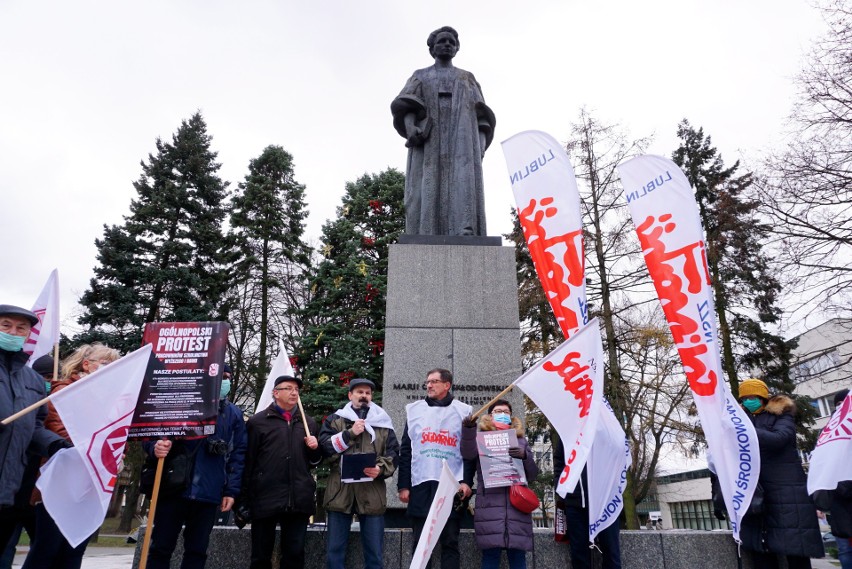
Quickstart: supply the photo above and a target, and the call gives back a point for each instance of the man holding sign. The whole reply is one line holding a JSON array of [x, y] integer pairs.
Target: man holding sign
[[358, 431]]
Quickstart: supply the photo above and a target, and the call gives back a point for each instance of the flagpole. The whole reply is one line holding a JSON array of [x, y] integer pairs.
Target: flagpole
[[495, 398], [304, 418], [25, 410], [143, 558], [55, 362]]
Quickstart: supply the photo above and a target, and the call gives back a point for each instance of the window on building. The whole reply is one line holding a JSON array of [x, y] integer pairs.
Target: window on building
[[824, 405], [697, 514], [813, 367]]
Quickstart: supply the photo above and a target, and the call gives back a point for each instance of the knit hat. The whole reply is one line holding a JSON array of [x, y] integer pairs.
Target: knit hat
[[754, 387], [43, 365]]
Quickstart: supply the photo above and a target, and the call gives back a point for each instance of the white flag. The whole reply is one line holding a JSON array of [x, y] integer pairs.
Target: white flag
[[439, 513], [663, 207], [45, 334], [76, 484], [281, 366], [567, 385], [831, 460], [607, 473]]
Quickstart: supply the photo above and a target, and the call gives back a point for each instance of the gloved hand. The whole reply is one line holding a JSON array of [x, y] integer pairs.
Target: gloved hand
[[517, 452], [720, 515], [469, 422], [242, 515], [56, 446]]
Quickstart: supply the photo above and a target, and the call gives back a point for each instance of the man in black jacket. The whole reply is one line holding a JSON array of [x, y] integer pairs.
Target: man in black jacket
[[277, 483]]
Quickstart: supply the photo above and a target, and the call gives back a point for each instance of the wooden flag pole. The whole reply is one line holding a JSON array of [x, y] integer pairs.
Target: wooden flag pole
[[24, 411], [495, 398], [55, 362], [143, 558], [304, 418]]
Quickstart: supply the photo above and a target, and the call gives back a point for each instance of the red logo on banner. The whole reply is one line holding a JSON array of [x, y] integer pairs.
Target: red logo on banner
[[545, 250], [839, 427], [576, 380], [669, 282], [105, 450]]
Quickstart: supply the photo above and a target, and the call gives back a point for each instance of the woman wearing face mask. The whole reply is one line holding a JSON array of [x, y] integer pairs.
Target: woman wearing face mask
[[49, 548], [788, 523], [498, 524]]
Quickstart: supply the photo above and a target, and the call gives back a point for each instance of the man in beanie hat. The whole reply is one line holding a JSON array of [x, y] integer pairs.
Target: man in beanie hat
[[358, 428], [20, 387], [278, 487], [787, 525]]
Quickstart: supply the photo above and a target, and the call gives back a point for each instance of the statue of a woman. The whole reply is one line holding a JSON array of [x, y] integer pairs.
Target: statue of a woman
[[447, 127]]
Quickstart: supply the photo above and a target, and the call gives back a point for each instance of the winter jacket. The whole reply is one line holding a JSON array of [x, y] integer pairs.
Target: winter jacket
[[277, 477], [496, 522], [20, 387], [367, 498], [215, 475], [788, 524], [421, 496], [838, 504]]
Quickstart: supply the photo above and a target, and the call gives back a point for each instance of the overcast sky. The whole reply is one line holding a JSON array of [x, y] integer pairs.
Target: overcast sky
[[87, 87]]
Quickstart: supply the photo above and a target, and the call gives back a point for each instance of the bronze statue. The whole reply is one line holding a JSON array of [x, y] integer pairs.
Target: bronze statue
[[447, 126]]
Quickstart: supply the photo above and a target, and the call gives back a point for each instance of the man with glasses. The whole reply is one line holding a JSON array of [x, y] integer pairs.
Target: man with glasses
[[432, 433], [278, 487]]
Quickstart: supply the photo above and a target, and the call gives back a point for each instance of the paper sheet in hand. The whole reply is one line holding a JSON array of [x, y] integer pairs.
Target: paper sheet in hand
[[352, 466]]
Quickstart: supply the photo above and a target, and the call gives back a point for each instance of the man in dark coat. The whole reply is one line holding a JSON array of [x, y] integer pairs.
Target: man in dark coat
[[576, 506], [788, 523], [20, 387], [215, 480], [278, 487], [837, 504], [438, 417]]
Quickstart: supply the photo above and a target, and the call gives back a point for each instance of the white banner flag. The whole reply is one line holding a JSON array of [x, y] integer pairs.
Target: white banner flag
[[608, 464], [439, 513], [664, 210], [548, 203], [567, 386], [76, 484], [45, 334], [831, 460], [281, 366], [549, 210]]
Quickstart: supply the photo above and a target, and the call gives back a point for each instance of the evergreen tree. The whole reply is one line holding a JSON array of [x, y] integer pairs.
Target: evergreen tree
[[745, 287], [270, 277], [166, 262], [346, 313]]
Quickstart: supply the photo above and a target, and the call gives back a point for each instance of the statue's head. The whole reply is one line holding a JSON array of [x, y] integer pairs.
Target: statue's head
[[433, 38]]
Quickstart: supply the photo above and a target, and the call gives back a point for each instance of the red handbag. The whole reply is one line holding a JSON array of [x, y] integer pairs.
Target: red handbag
[[523, 499]]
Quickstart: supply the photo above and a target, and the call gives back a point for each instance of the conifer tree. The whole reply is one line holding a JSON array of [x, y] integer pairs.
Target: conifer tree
[[270, 277], [345, 317], [166, 262]]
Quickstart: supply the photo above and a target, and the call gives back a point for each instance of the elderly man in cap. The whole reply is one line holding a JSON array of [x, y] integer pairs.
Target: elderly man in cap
[[278, 487], [359, 428], [20, 387]]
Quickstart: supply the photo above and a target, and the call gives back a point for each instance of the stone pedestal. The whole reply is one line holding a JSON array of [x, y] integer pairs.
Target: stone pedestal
[[456, 307]]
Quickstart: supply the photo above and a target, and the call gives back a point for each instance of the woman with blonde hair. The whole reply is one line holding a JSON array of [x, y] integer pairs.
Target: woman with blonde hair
[[49, 548]]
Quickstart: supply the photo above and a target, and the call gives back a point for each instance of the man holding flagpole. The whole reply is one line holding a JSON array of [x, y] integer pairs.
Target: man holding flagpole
[[432, 434], [20, 387]]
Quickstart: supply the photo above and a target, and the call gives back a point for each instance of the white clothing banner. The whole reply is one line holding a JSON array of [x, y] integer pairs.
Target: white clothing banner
[[435, 434], [609, 460], [567, 385], [664, 210], [831, 460], [281, 366], [549, 210], [77, 483], [45, 334], [439, 513]]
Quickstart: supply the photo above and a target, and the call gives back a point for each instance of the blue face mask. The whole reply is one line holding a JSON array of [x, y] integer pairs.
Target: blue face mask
[[12, 343], [225, 389], [502, 418], [752, 404], [47, 387]]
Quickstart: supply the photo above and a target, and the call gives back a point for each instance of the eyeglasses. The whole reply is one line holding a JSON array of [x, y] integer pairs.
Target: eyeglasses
[[286, 389], [429, 382]]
